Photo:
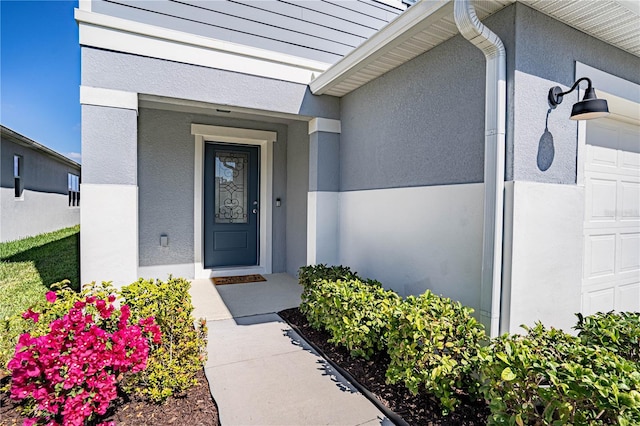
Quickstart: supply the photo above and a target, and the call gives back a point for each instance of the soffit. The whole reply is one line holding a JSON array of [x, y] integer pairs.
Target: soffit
[[614, 22], [430, 22]]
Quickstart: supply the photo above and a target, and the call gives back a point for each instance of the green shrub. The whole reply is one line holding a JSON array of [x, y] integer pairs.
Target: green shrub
[[315, 303], [311, 299], [356, 314], [311, 274], [171, 368], [619, 332], [548, 377], [433, 345], [307, 275]]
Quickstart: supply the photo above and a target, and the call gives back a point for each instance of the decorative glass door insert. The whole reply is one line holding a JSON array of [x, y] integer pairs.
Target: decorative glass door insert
[[231, 187]]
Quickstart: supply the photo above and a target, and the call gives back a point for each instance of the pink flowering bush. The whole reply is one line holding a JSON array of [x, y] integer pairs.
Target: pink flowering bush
[[71, 372]]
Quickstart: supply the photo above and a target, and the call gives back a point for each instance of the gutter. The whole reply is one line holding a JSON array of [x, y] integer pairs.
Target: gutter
[[495, 124]]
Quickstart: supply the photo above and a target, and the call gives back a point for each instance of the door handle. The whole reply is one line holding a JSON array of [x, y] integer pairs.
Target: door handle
[[255, 210]]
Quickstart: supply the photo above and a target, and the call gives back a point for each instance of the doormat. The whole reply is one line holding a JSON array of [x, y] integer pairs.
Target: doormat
[[239, 279]]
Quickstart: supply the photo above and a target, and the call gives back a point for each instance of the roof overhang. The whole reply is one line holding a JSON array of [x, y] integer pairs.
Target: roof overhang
[[19, 139], [429, 23]]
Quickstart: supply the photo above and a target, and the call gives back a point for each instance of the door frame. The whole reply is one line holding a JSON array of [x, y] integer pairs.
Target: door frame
[[264, 139]]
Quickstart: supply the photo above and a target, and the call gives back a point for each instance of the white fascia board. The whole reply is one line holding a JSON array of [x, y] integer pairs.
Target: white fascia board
[[123, 35], [324, 125], [108, 98], [419, 16]]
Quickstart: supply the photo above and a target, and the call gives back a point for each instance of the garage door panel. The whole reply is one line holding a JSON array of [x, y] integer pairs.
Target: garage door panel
[[630, 162], [629, 258], [628, 298], [600, 255], [598, 301], [603, 158], [602, 200], [630, 198]]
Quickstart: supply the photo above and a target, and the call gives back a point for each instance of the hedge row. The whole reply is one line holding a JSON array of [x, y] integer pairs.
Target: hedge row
[[544, 377]]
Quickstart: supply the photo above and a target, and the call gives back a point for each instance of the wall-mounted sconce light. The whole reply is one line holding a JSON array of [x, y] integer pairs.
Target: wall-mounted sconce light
[[590, 107]]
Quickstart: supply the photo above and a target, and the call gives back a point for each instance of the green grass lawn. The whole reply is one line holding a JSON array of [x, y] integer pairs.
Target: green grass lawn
[[29, 266]]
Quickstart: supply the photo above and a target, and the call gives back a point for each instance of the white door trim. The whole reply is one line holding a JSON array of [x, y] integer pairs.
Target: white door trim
[[265, 139]]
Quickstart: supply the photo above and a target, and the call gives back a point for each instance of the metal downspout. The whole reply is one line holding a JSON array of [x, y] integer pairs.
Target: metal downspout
[[495, 122]]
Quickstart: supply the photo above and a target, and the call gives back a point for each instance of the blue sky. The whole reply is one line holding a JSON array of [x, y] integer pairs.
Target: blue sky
[[40, 73]]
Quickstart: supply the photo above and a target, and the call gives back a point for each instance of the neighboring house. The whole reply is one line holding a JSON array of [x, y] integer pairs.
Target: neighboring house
[[39, 188], [223, 137]]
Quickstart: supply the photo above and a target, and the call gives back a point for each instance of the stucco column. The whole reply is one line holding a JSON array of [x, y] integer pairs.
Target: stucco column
[[323, 196], [109, 210]]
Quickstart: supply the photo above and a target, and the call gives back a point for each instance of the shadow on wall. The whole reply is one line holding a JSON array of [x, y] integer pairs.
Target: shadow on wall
[[546, 150], [55, 261]]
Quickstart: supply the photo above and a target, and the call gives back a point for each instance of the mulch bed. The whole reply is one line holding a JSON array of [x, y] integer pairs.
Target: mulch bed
[[196, 407], [420, 409]]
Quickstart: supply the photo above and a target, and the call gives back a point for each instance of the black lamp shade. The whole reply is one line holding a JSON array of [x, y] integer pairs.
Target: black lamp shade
[[590, 107]]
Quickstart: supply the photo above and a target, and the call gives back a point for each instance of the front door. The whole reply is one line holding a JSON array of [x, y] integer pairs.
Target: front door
[[231, 205]]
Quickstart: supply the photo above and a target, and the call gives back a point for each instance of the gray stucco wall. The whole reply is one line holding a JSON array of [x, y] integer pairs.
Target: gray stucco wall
[[166, 154], [296, 199], [113, 70], [319, 30], [324, 161], [422, 123], [109, 139], [547, 51], [44, 205]]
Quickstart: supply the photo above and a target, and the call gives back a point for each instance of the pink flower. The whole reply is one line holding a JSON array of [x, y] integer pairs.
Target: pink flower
[[29, 314], [72, 371], [51, 296]]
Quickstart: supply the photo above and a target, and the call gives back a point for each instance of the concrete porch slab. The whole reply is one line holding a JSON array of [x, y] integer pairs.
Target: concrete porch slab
[[280, 291]]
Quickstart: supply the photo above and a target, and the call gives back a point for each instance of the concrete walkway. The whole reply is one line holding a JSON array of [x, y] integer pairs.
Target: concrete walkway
[[260, 371]]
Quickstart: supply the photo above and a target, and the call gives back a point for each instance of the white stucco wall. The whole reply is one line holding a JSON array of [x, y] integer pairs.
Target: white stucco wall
[[543, 247], [109, 237], [34, 213], [413, 239]]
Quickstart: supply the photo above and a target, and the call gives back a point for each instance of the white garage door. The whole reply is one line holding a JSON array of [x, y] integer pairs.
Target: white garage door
[[611, 270]]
